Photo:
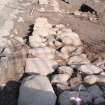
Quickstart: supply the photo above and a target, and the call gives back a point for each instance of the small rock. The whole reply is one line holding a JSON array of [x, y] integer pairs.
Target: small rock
[[42, 27], [99, 101], [65, 69], [36, 41], [103, 73], [91, 79], [95, 79], [60, 87], [101, 79], [7, 51], [70, 38], [64, 98], [40, 66], [62, 56], [66, 40], [80, 87], [79, 59], [68, 49], [78, 51], [60, 26], [60, 78], [102, 86], [75, 66], [95, 91], [85, 15], [60, 61], [77, 13], [74, 82], [100, 64], [36, 90], [90, 69]]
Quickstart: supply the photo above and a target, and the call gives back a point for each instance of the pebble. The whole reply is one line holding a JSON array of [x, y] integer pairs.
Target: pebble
[[65, 70], [60, 78], [90, 69]]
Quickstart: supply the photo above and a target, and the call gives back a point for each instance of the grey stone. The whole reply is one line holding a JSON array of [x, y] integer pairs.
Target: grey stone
[[99, 101], [80, 87], [36, 90], [61, 87], [64, 98], [95, 91]]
